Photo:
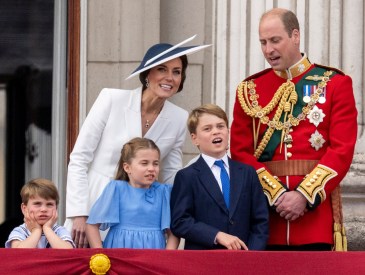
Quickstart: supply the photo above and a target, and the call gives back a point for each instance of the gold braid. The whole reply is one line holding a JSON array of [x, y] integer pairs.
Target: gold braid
[[287, 89], [275, 123], [256, 111], [339, 232]]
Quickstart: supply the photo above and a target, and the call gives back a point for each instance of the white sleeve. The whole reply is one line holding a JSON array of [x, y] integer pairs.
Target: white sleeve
[[82, 155]]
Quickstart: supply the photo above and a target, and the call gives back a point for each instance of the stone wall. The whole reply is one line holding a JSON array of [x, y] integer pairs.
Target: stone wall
[[120, 31], [353, 199]]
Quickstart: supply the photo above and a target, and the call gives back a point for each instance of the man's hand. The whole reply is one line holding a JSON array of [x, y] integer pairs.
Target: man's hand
[[230, 242], [291, 205]]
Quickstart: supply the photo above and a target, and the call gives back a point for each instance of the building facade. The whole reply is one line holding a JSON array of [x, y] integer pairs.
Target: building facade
[[116, 34], [107, 39]]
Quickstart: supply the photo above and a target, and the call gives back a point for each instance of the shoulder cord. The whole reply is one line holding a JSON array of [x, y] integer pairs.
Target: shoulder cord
[[284, 93]]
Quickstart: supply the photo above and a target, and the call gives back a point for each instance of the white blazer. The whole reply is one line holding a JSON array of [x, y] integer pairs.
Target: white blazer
[[114, 119]]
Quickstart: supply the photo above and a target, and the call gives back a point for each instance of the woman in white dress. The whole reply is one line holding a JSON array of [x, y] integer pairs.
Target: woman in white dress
[[120, 115]]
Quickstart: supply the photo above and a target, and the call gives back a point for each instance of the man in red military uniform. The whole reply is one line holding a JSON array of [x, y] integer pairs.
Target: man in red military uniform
[[296, 124]]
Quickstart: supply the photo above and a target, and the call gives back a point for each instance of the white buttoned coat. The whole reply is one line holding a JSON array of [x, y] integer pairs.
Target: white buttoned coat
[[114, 119]]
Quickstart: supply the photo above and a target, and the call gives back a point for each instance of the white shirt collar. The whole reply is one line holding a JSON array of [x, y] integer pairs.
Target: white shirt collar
[[210, 160]]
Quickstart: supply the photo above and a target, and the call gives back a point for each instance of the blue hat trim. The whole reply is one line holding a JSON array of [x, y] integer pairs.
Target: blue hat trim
[[163, 52]]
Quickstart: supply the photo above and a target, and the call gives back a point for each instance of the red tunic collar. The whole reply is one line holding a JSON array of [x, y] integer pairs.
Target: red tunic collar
[[297, 69]]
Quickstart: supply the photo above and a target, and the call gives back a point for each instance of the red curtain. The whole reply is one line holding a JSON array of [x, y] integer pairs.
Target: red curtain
[[138, 261]]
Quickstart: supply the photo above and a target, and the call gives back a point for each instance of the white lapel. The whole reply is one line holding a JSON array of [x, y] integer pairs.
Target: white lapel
[[133, 118], [162, 123], [133, 113]]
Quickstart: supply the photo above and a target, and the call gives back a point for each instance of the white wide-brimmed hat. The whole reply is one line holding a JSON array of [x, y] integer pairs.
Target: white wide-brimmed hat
[[163, 52]]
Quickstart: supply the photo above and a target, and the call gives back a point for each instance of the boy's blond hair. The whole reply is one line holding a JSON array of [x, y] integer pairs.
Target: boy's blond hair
[[44, 188], [209, 108]]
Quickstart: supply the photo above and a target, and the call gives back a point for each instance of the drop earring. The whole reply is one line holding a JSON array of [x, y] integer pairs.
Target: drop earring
[[147, 83]]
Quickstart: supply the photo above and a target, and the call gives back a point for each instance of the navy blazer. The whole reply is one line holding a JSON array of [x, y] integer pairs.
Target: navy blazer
[[198, 210]]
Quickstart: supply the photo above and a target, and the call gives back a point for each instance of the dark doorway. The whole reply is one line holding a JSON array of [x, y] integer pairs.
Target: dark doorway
[[26, 58]]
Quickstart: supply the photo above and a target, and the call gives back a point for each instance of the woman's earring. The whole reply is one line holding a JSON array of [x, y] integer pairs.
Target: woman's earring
[[147, 83]]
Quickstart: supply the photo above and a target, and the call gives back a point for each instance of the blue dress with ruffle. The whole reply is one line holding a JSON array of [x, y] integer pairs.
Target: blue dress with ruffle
[[136, 217]]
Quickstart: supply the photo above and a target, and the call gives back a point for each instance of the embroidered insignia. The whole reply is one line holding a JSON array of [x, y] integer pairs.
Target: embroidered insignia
[[314, 77], [301, 68], [271, 186], [317, 140], [316, 116], [315, 182]]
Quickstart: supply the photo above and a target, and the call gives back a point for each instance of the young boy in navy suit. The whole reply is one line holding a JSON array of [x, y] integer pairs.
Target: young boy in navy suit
[[215, 204]]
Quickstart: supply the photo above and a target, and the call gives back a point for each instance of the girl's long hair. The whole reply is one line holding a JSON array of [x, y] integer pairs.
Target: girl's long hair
[[129, 151]]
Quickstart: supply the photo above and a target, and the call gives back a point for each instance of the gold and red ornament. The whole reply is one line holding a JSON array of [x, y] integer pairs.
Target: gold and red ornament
[[99, 264]]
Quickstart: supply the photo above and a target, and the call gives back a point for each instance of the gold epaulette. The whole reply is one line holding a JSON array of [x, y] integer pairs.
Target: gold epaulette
[[330, 69], [271, 185], [256, 75], [314, 183]]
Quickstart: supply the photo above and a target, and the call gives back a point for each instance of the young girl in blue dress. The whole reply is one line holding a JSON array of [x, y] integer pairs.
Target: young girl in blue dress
[[134, 206]]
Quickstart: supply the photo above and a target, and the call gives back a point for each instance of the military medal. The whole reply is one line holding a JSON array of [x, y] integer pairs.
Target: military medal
[[283, 100], [307, 91], [316, 116], [317, 140], [322, 97], [313, 88]]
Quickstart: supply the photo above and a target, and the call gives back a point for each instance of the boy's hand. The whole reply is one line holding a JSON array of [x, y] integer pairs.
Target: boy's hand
[[52, 220], [230, 241], [30, 221]]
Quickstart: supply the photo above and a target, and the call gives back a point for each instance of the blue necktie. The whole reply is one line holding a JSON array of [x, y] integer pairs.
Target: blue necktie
[[224, 180]]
